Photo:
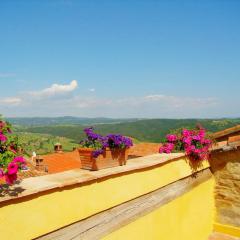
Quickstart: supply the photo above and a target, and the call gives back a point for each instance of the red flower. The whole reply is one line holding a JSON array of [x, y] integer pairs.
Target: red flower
[[10, 178]]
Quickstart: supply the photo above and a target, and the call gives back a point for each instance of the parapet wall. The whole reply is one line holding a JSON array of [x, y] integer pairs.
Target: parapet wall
[[160, 191]]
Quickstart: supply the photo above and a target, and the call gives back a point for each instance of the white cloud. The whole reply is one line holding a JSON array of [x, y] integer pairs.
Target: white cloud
[[154, 97], [56, 89], [11, 101], [38, 103]]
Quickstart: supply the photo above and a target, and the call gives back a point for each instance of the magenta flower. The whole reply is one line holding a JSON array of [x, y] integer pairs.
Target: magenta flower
[[3, 138], [186, 133], [196, 138], [187, 140], [166, 148], [12, 168], [9, 162], [194, 143], [202, 133], [19, 159], [171, 138], [207, 142]]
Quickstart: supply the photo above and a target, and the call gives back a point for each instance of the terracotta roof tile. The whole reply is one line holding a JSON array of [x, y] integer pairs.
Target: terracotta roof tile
[[143, 149], [59, 162], [226, 132]]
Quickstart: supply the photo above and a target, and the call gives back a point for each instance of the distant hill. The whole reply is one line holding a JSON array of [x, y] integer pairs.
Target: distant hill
[[43, 143], [150, 130], [40, 121]]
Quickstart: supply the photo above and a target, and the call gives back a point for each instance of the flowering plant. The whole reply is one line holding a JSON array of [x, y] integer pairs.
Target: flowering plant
[[10, 161], [99, 143], [194, 142]]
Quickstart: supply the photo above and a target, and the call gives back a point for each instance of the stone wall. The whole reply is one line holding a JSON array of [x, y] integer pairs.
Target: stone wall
[[226, 169]]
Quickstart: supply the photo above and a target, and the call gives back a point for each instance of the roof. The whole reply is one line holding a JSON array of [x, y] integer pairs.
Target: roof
[[31, 172], [226, 132], [59, 162], [233, 143], [143, 149]]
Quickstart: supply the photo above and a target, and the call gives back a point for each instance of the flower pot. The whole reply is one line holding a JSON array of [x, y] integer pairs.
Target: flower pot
[[109, 158]]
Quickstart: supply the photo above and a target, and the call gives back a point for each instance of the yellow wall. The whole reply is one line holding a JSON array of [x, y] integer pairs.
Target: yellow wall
[[40, 214], [188, 217], [226, 229]]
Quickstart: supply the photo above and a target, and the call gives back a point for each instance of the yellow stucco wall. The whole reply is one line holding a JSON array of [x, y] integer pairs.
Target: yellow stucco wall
[[226, 229], [189, 217], [40, 214]]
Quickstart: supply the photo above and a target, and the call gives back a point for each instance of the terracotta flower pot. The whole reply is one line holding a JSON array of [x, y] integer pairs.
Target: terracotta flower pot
[[110, 158]]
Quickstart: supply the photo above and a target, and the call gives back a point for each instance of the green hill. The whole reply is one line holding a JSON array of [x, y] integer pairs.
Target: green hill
[[44, 121], [151, 130], [42, 143]]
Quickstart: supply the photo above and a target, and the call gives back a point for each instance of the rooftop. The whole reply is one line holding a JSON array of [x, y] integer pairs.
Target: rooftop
[[226, 132], [68, 160]]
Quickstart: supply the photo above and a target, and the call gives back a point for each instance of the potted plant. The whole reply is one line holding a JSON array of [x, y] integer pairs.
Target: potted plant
[[98, 152], [194, 143], [10, 159]]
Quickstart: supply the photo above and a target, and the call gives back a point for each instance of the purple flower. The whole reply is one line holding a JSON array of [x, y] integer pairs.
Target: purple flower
[[97, 152], [100, 143], [119, 141]]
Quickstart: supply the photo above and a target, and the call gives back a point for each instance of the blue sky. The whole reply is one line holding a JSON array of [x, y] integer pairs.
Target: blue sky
[[166, 59]]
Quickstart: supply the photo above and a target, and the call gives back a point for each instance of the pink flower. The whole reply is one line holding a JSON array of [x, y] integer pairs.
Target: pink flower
[[12, 168], [10, 178], [196, 137], [170, 146], [186, 133], [161, 149], [187, 140], [202, 133], [171, 138], [192, 142], [3, 138], [207, 142], [166, 148], [19, 159], [197, 151]]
